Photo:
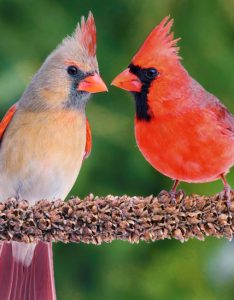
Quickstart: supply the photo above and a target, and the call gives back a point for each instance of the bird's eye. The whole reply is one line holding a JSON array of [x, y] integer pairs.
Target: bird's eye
[[72, 70], [151, 73]]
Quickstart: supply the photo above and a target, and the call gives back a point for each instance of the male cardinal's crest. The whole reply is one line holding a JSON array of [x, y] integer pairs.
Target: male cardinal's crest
[[159, 44]]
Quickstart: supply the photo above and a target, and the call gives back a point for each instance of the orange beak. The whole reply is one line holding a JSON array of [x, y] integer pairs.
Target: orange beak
[[127, 81], [92, 84]]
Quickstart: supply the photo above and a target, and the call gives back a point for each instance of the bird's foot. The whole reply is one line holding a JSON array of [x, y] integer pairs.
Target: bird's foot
[[172, 197], [167, 198], [227, 191], [177, 196], [227, 195]]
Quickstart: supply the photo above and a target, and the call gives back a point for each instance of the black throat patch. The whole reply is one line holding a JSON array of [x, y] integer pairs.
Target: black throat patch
[[77, 99], [143, 112]]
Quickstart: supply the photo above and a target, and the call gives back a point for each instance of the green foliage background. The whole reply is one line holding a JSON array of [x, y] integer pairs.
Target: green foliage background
[[29, 31]]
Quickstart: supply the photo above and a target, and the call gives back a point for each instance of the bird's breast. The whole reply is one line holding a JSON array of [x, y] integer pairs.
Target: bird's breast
[[41, 153], [187, 146]]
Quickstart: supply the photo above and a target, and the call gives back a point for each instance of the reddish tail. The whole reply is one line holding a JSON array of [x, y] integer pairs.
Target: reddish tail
[[32, 282]]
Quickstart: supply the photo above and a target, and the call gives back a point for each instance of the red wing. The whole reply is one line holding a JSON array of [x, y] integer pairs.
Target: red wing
[[6, 119], [88, 145], [224, 118]]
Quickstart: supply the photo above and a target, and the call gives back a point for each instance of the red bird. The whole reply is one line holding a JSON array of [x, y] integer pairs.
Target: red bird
[[183, 131], [44, 138]]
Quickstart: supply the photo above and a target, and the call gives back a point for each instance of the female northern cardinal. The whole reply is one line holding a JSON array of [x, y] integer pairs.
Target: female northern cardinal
[[182, 130], [44, 138]]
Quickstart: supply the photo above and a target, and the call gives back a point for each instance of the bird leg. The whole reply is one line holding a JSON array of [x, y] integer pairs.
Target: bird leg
[[226, 190], [173, 191]]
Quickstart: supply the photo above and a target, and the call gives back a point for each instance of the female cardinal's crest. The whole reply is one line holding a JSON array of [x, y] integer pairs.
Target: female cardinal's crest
[[85, 34], [80, 48], [159, 43]]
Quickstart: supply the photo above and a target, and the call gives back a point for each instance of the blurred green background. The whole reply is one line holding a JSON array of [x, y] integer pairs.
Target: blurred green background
[[29, 31]]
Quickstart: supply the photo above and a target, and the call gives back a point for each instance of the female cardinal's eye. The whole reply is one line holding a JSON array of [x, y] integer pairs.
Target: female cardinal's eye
[[72, 70], [151, 73]]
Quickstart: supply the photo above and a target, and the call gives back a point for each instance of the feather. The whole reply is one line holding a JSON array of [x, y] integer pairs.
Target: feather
[[7, 119], [33, 282], [88, 144], [85, 35], [159, 43]]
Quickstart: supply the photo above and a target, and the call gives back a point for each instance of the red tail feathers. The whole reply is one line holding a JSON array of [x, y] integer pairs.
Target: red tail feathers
[[21, 282]]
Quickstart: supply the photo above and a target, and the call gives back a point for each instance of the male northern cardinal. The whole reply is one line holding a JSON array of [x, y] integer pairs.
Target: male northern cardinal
[[182, 130], [44, 138]]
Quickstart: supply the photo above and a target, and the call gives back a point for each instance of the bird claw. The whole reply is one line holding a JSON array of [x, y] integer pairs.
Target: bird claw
[[227, 196], [168, 197], [177, 196], [173, 195]]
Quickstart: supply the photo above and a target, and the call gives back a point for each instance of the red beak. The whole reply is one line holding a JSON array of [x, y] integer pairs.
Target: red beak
[[127, 81], [92, 84]]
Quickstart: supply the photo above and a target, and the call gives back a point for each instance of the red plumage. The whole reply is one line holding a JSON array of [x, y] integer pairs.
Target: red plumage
[[6, 119], [88, 144], [87, 32], [182, 130], [35, 281]]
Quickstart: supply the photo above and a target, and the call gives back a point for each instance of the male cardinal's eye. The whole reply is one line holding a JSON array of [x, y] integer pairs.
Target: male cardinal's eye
[[72, 70], [151, 73]]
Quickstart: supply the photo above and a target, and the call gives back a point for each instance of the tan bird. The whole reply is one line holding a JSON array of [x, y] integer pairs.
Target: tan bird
[[44, 138]]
